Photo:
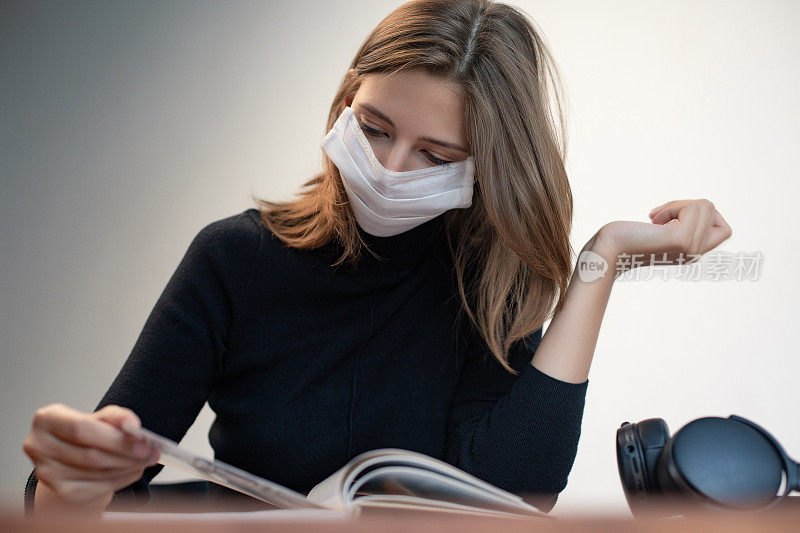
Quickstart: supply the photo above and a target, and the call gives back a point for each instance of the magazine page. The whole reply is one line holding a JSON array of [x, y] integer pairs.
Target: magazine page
[[328, 493], [400, 457], [221, 473], [331, 492], [337, 491], [412, 503], [399, 483]]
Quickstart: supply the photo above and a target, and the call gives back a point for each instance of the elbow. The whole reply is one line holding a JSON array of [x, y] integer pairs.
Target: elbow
[[537, 480], [540, 486], [543, 502], [544, 496]]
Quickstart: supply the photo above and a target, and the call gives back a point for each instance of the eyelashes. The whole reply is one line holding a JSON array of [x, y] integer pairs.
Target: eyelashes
[[372, 132]]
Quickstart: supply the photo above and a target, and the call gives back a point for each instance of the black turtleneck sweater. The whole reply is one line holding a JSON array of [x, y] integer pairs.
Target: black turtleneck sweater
[[306, 365]]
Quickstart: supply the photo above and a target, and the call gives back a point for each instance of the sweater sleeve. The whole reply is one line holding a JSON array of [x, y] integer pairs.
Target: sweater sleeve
[[518, 432], [170, 372]]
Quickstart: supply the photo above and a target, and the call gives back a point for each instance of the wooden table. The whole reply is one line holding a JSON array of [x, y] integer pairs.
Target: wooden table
[[376, 521]]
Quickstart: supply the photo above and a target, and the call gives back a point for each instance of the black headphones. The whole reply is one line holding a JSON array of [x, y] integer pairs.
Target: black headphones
[[712, 462]]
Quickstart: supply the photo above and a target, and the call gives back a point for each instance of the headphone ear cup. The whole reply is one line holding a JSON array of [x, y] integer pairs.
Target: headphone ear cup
[[673, 498], [663, 478], [653, 434], [723, 462], [638, 447]]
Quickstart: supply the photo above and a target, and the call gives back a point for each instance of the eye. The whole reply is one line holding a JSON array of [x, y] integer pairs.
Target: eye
[[435, 159], [378, 133], [371, 131]]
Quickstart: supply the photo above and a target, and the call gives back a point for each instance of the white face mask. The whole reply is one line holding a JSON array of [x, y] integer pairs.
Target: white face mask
[[385, 202]]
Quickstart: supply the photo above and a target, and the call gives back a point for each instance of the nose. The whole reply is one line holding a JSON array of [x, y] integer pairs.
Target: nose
[[395, 161], [398, 158]]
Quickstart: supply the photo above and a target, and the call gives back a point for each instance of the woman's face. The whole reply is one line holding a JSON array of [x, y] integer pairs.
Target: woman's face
[[412, 120]]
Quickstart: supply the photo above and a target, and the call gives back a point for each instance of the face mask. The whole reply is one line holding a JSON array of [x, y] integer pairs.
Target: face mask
[[385, 202]]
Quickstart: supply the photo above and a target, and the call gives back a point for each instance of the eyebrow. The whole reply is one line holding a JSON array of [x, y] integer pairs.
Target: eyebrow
[[445, 144]]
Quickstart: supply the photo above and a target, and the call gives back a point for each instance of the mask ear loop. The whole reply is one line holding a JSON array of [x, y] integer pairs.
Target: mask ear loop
[[790, 467]]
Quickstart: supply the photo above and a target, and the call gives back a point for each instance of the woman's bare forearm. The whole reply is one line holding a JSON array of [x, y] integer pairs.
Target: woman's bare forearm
[[675, 229], [567, 346]]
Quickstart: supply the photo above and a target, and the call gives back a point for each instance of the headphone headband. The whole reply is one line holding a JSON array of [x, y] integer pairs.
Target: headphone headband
[[791, 467]]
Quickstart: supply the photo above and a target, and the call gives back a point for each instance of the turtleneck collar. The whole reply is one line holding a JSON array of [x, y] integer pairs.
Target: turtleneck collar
[[404, 250]]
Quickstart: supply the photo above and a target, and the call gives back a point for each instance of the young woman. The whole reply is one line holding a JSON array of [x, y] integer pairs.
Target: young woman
[[398, 301]]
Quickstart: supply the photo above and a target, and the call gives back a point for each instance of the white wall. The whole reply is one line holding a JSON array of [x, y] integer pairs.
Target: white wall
[[126, 127]]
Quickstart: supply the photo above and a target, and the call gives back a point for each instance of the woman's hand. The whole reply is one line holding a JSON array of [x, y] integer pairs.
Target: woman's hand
[[82, 459], [679, 232]]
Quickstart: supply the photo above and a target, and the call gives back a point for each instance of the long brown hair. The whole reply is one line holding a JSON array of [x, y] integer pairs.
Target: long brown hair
[[517, 229]]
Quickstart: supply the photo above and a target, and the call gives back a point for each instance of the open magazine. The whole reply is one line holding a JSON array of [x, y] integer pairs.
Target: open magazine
[[385, 478]]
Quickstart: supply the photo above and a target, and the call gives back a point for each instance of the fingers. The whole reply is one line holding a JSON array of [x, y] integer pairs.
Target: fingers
[[703, 227], [656, 210], [720, 222], [89, 458], [720, 231], [667, 212], [681, 232], [118, 416], [53, 470], [693, 225], [83, 430], [85, 457]]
